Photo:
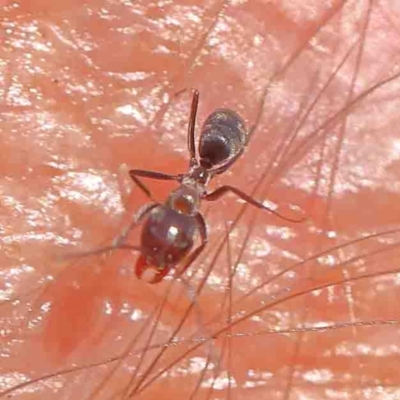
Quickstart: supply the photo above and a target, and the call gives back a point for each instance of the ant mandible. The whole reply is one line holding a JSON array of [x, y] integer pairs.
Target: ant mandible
[[168, 231]]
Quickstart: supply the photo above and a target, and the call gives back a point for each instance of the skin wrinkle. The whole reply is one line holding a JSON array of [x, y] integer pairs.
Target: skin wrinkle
[[87, 88]]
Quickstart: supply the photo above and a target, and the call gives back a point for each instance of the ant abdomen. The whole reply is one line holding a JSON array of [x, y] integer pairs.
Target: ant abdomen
[[223, 136]]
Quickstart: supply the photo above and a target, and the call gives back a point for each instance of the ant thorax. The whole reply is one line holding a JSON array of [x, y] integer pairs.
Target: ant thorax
[[186, 199], [199, 175]]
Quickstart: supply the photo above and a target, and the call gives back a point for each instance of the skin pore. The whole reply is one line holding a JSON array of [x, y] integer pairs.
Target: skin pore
[[274, 310]]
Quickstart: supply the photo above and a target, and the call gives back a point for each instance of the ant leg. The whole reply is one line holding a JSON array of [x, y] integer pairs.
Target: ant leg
[[118, 242], [192, 124], [137, 219], [221, 191], [192, 293], [191, 127], [196, 252], [135, 173], [103, 250], [125, 186]]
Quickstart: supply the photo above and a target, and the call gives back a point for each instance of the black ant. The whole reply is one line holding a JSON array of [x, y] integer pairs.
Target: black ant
[[167, 236]]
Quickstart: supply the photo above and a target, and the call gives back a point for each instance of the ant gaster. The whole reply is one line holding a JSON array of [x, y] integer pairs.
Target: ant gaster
[[168, 231]]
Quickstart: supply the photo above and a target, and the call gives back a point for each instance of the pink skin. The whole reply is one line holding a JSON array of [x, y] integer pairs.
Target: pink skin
[[87, 88]]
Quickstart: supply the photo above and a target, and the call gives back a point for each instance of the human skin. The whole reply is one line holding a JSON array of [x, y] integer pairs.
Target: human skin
[[89, 89]]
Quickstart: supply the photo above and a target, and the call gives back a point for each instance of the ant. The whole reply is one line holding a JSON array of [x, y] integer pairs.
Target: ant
[[168, 231]]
